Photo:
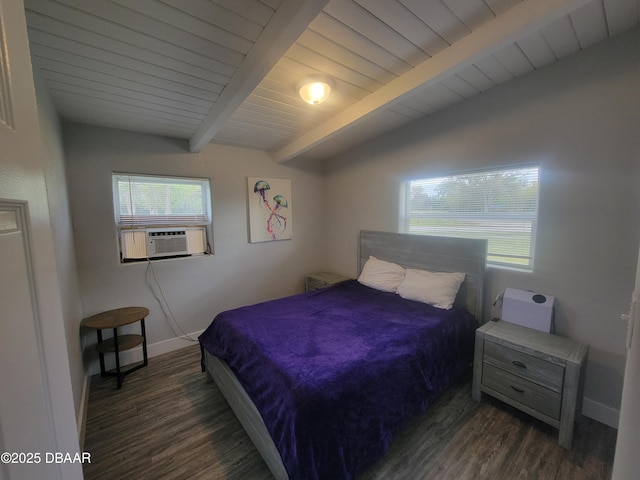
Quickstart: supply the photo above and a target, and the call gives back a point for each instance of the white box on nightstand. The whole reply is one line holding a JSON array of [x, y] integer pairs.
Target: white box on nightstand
[[529, 309]]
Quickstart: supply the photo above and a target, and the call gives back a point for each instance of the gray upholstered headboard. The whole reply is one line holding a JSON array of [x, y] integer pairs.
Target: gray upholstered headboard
[[437, 254]]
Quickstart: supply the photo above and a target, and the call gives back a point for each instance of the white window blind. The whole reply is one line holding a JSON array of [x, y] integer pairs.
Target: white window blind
[[498, 205], [145, 200]]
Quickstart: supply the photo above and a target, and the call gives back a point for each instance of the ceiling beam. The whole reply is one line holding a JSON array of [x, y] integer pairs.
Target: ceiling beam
[[516, 23], [287, 24]]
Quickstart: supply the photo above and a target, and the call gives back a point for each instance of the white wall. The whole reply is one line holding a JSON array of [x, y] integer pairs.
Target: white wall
[[579, 119], [196, 289], [62, 231], [37, 397]]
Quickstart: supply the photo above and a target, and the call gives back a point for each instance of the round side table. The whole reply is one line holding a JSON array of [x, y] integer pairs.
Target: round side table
[[113, 319]]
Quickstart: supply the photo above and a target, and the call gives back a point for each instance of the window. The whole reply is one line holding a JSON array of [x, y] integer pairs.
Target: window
[[145, 200], [498, 205], [161, 217]]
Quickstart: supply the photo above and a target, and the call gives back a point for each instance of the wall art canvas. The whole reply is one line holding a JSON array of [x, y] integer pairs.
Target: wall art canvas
[[270, 209]]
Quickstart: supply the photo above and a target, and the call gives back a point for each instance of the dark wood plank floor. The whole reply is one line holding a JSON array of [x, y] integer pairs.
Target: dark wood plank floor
[[168, 422]]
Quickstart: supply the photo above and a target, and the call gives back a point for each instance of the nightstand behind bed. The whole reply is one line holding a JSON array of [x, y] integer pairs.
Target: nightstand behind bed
[[314, 281]]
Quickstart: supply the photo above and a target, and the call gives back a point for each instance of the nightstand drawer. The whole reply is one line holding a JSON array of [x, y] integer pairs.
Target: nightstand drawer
[[530, 368], [315, 284], [528, 393]]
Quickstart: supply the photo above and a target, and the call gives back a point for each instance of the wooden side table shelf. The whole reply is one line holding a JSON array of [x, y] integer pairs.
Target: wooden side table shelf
[[118, 343], [314, 281], [536, 372]]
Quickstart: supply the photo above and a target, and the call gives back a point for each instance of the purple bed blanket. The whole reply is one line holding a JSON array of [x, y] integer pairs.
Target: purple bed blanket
[[336, 373]]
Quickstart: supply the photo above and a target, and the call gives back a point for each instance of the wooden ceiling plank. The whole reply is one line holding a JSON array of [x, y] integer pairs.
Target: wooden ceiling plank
[[370, 78], [75, 75], [55, 78], [120, 123], [68, 111], [127, 108], [140, 22], [130, 121], [118, 97], [249, 123], [590, 24], [537, 50], [512, 58], [439, 18], [460, 86], [359, 44], [263, 128], [282, 115], [561, 37], [45, 55], [445, 93], [169, 16], [500, 6], [473, 13], [403, 21], [363, 21], [419, 104], [621, 14], [72, 33], [219, 17], [288, 68], [407, 111], [329, 49], [515, 23], [274, 4], [70, 17], [493, 69], [439, 99], [255, 11], [240, 130], [476, 78], [60, 44], [285, 27]]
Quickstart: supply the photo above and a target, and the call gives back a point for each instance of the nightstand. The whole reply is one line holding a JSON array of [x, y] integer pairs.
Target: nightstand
[[314, 281], [113, 319], [536, 372]]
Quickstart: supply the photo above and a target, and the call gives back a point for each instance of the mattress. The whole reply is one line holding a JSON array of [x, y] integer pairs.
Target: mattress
[[337, 373]]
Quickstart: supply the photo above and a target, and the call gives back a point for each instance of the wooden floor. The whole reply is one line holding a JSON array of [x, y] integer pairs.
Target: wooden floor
[[168, 422]]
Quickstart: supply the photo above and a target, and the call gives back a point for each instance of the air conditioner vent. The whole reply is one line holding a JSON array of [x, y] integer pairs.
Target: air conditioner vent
[[162, 243]]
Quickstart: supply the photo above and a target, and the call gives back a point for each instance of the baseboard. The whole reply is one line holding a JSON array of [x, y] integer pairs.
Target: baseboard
[[82, 412], [601, 412], [153, 350]]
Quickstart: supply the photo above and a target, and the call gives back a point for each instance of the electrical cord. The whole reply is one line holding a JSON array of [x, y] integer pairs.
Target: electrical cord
[[163, 303]]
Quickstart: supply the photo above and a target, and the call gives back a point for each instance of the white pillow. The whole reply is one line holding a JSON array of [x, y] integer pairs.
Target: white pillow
[[381, 275], [435, 288]]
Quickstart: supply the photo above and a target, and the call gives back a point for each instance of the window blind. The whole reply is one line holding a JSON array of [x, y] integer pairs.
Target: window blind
[[498, 205], [146, 200]]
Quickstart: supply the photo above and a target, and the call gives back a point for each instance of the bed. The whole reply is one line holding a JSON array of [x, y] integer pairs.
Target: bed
[[323, 381]]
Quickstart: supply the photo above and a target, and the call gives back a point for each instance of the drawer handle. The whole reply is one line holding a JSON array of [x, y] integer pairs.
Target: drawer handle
[[519, 390], [519, 364]]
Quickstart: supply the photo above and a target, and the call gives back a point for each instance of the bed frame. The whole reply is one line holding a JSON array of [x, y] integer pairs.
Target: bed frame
[[442, 254]]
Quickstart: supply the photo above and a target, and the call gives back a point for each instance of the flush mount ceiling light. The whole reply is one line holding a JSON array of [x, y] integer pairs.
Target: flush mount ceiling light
[[314, 89]]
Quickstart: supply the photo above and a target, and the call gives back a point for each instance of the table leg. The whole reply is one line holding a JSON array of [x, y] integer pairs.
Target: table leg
[[144, 343], [119, 375], [103, 370]]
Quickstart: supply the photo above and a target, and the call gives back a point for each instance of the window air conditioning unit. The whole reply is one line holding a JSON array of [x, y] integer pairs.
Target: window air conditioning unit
[[165, 242], [162, 242]]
